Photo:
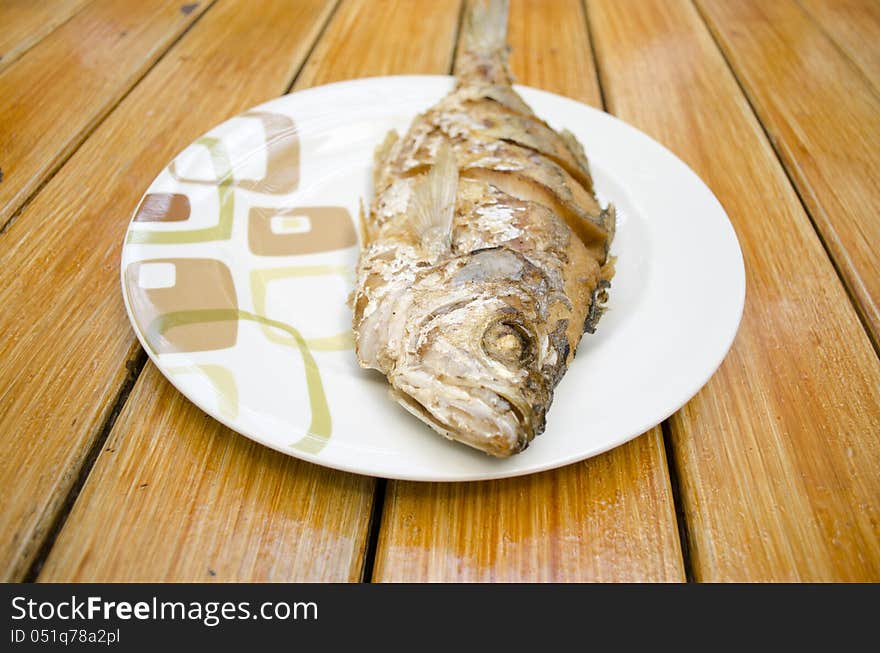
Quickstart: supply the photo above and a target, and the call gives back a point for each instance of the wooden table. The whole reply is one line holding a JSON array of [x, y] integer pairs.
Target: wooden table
[[771, 473]]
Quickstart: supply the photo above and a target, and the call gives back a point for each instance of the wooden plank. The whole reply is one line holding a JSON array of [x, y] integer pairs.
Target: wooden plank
[[66, 337], [252, 513], [778, 456], [423, 45], [824, 119], [610, 518], [550, 48], [193, 501], [855, 27], [26, 22], [55, 94]]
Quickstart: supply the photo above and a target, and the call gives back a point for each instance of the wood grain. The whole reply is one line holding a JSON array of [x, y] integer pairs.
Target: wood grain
[[26, 22], [550, 48], [824, 119], [66, 338], [57, 92], [177, 497], [248, 513], [610, 518], [359, 45], [778, 456], [855, 27]]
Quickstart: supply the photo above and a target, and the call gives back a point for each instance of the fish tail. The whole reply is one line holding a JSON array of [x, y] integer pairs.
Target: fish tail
[[483, 50]]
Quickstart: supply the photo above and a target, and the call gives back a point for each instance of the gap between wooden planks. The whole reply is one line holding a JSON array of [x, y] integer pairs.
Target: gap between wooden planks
[[823, 117], [66, 336], [610, 518], [778, 456], [175, 495], [62, 87], [26, 22]]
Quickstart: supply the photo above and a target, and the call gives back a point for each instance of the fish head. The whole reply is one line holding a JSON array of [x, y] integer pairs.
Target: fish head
[[475, 356]]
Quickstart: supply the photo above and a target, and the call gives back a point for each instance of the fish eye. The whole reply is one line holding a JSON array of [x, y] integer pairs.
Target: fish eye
[[508, 343]]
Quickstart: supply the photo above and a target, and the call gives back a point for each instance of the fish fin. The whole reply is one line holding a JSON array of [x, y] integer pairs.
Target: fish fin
[[577, 151], [609, 222], [598, 305], [382, 156], [365, 229], [432, 203], [482, 55], [606, 272], [599, 296]]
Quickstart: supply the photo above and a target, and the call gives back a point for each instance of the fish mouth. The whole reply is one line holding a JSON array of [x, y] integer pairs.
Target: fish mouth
[[497, 444]]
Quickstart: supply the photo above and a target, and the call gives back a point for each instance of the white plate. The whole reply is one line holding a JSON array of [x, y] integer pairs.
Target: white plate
[[211, 256]]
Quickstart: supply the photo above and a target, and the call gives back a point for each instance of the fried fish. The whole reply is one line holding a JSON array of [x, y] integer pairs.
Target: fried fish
[[485, 255]]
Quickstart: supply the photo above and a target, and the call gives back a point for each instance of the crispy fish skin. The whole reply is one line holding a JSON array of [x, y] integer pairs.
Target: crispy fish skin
[[485, 255]]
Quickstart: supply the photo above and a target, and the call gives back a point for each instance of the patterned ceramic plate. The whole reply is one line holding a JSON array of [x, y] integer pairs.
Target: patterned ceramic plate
[[239, 259]]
